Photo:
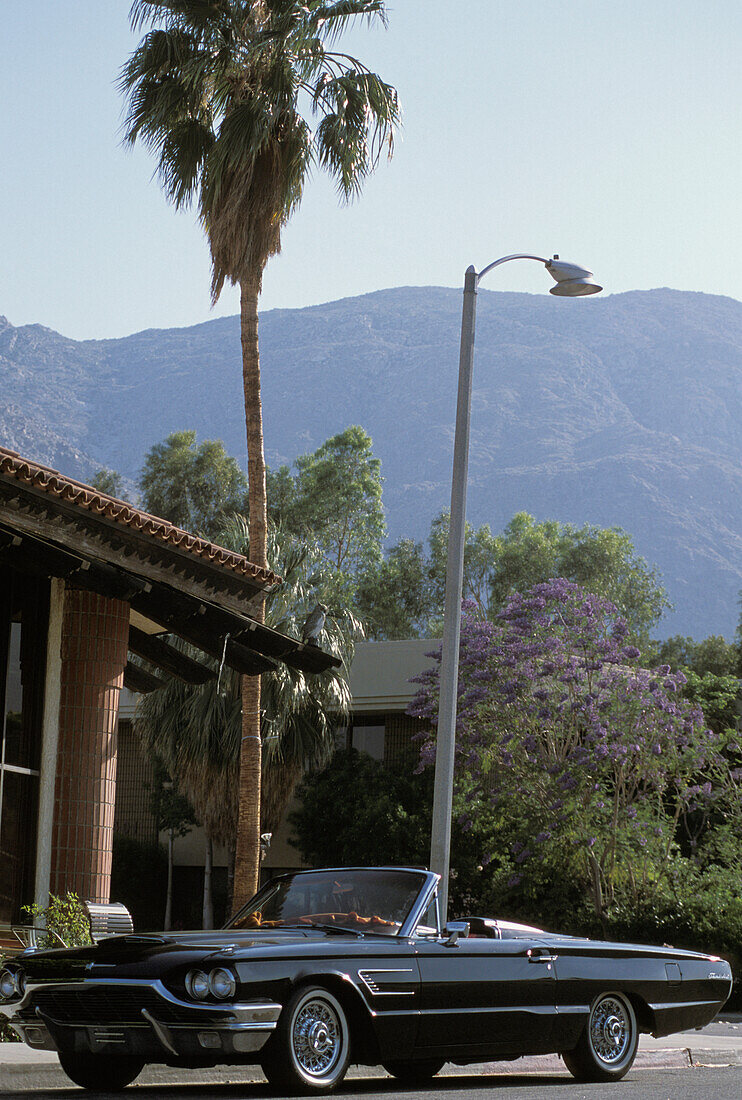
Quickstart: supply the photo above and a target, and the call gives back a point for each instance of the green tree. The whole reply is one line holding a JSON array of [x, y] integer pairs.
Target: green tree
[[597, 768], [357, 811], [334, 499], [480, 554], [193, 485], [710, 668], [713, 654], [175, 816], [527, 552], [601, 560], [108, 481], [394, 595], [220, 91], [717, 696]]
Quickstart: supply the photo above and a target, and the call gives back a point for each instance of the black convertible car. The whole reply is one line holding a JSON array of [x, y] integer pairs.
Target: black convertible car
[[326, 967]]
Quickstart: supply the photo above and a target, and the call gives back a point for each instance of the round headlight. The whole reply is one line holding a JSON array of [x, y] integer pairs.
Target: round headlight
[[8, 986], [197, 984], [222, 984]]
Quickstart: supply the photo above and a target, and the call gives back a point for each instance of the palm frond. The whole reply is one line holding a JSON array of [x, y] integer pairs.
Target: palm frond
[[215, 91], [196, 729], [202, 14], [333, 19]]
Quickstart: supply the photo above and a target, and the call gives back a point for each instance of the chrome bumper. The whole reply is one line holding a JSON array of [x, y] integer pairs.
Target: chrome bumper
[[210, 1031]]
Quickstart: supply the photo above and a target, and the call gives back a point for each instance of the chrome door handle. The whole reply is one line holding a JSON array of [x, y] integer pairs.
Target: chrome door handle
[[540, 957]]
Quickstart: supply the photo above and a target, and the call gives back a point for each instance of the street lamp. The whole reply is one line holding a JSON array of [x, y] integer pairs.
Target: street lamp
[[572, 281]]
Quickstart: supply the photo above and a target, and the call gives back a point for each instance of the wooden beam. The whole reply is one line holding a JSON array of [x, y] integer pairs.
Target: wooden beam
[[139, 680], [188, 619], [165, 656], [32, 555]]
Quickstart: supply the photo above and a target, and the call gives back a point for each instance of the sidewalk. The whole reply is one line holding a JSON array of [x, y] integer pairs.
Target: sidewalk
[[719, 1044]]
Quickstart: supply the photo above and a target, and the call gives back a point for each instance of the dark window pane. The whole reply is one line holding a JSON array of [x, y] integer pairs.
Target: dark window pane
[[23, 647], [19, 794]]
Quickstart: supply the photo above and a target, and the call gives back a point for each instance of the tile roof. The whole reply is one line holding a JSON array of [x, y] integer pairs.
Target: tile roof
[[85, 497]]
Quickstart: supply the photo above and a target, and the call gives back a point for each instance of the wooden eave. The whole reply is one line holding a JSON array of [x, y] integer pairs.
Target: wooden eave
[[37, 513], [166, 589]]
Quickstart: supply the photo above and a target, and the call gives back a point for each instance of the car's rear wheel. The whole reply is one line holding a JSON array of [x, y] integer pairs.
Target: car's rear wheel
[[310, 1049], [101, 1072], [412, 1071], [607, 1046]]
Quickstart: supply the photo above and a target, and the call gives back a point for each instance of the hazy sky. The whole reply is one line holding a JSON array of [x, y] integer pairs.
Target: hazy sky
[[608, 132]]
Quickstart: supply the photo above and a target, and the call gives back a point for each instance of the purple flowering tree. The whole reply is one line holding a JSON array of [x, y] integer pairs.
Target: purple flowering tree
[[594, 765]]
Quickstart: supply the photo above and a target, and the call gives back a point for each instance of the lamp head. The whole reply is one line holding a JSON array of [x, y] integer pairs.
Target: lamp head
[[572, 281]]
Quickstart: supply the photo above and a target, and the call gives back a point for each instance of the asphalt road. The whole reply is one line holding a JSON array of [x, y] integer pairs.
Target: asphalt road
[[696, 1083]]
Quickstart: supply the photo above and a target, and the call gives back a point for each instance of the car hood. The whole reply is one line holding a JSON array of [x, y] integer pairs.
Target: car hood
[[145, 947]]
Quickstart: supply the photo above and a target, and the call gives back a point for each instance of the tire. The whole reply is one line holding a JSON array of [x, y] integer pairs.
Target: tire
[[608, 1043], [101, 1072], [413, 1072], [310, 1049]]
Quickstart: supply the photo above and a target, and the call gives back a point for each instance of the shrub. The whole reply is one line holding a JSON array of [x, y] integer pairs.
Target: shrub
[[66, 916]]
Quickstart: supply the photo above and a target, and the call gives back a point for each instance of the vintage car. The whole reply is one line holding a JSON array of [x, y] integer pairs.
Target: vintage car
[[324, 968]]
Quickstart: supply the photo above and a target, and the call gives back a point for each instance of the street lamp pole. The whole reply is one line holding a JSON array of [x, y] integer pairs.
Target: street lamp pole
[[571, 281]]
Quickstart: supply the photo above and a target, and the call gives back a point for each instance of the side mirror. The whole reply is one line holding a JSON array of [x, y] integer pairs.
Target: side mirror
[[454, 929]]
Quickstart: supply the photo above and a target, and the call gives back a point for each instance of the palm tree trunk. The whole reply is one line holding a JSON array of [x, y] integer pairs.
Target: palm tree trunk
[[208, 909], [168, 924], [247, 858]]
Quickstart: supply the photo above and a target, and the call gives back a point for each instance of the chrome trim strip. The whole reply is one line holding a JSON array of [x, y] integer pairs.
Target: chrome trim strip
[[371, 986], [490, 1010], [408, 926], [246, 1014], [683, 1004]]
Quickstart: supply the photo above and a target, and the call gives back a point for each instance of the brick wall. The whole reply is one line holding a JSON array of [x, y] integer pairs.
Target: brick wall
[[94, 649], [135, 779]]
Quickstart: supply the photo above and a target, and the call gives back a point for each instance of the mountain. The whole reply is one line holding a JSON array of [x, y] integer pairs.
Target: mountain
[[623, 409]]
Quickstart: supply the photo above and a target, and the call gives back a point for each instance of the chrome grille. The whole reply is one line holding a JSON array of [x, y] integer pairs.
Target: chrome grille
[[103, 1005]]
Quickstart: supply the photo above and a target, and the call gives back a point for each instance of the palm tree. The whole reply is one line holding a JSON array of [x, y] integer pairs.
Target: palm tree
[[196, 729], [225, 93]]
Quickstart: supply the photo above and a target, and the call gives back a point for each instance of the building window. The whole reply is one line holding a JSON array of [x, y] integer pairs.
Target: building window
[[367, 735], [24, 615]]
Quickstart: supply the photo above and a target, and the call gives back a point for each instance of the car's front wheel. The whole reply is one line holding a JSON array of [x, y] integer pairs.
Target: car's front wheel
[[607, 1046], [101, 1072], [310, 1049]]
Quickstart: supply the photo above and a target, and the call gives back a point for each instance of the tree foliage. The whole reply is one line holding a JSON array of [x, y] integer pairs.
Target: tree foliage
[[239, 99], [108, 481], [592, 763], [356, 810], [713, 654], [334, 500], [394, 595], [601, 560], [195, 486]]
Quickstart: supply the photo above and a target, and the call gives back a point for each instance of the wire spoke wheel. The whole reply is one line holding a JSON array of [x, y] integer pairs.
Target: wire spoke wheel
[[608, 1043], [610, 1030], [310, 1051], [316, 1037]]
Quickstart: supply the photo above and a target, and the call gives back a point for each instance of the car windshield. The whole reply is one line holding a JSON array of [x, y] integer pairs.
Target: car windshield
[[355, 900]]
